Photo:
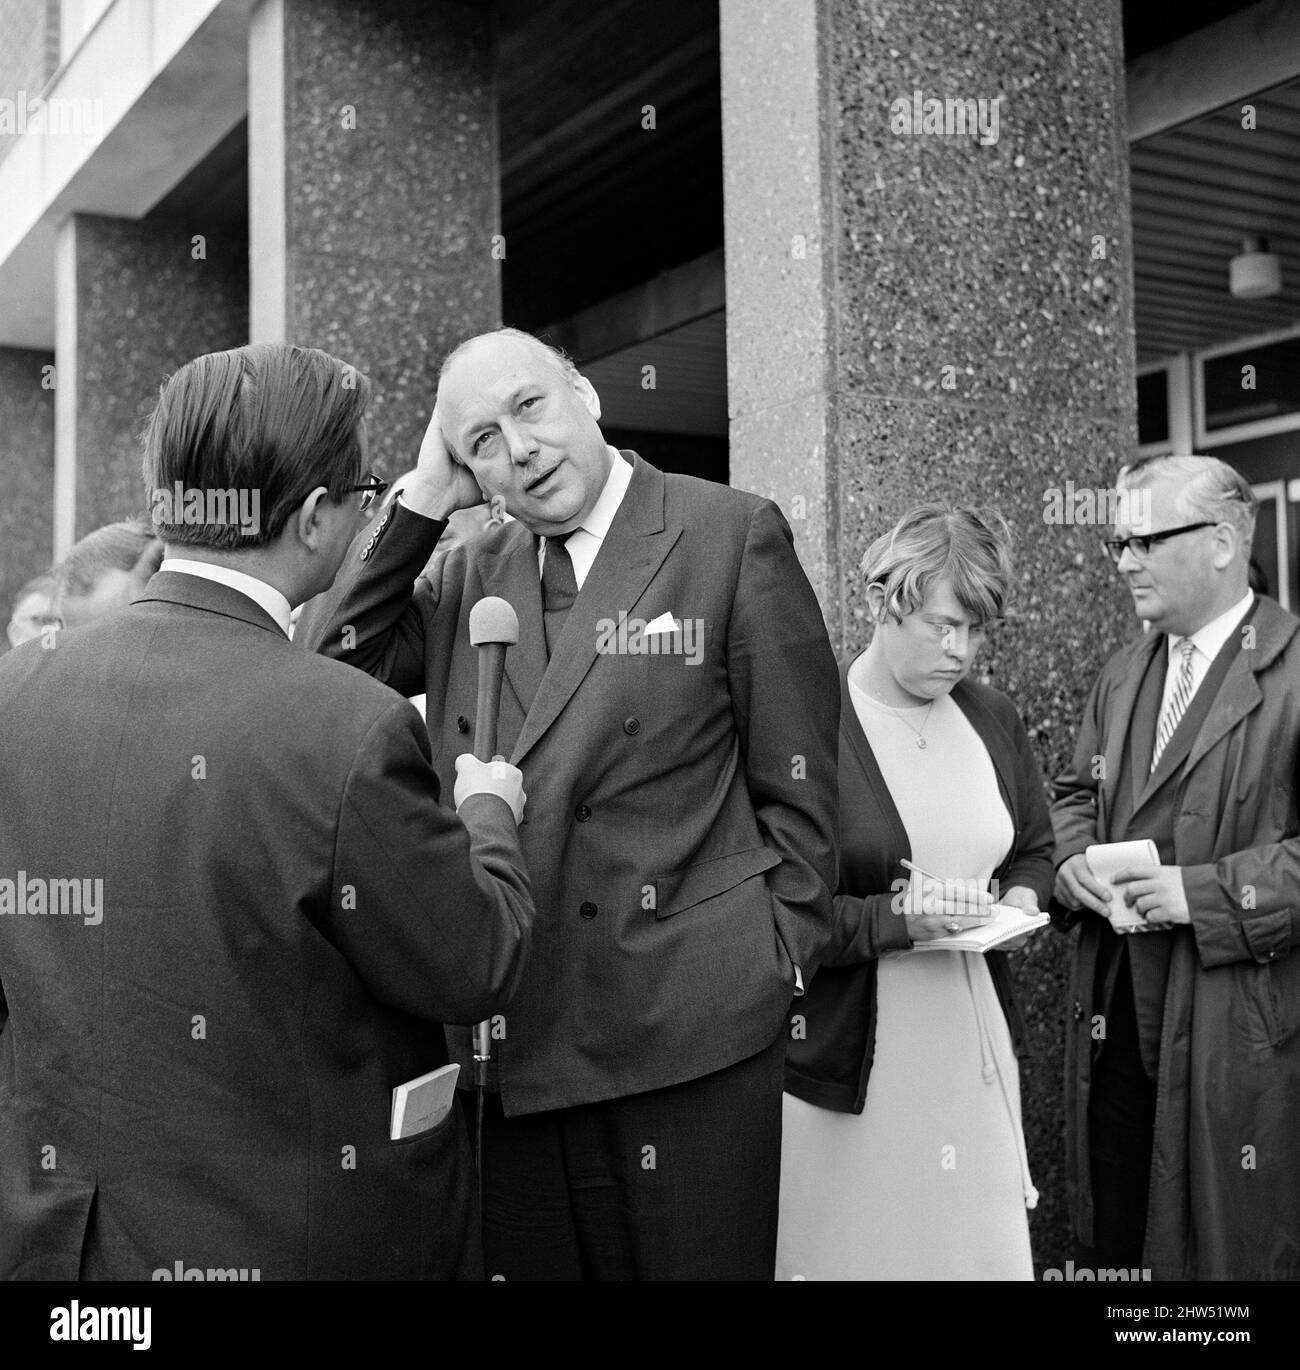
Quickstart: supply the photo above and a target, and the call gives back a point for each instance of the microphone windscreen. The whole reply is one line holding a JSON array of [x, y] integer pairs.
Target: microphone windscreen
[[493, 620]]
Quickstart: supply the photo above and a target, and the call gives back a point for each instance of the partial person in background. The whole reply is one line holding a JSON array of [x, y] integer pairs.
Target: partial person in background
[[34, 610], [1182, 1049], [106, 570], [903, 1155]]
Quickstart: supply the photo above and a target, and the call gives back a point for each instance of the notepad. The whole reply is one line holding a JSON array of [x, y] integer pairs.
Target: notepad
[[1006, 924], [422, 1104], [1107, 859]]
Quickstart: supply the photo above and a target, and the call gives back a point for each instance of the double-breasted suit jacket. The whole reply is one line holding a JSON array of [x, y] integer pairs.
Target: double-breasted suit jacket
[[680, 823]]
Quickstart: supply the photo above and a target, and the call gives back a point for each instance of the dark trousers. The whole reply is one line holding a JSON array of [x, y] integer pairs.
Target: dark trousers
[[675, 1184], [1121, 1118]]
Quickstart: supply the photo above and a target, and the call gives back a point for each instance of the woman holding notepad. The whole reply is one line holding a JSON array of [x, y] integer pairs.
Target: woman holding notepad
[[903, 1154]]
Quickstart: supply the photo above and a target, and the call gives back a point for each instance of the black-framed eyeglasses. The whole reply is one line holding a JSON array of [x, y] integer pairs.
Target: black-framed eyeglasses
[[1141, 546], [371, 490]]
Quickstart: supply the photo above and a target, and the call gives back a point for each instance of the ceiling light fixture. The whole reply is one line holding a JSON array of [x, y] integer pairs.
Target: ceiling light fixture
[[1255, 273]]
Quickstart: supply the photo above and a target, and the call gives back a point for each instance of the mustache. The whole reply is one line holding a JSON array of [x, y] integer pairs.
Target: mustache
[[536, 474]]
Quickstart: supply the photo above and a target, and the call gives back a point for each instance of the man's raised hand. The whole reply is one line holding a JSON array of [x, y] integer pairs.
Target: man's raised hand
[[441, 483]]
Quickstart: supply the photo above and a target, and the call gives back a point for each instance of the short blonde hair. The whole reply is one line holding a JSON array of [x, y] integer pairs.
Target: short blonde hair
[[970, 548]]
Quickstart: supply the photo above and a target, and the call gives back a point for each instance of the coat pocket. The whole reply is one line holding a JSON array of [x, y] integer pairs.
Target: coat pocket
[[1268, 993], [692, 885]]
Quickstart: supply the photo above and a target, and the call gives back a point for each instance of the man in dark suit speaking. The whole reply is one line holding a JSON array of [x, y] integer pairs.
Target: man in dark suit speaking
[[233, 913], [673, 704]]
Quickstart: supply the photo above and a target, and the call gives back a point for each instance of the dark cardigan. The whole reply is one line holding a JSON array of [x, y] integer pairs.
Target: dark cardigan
[[833, 1025]]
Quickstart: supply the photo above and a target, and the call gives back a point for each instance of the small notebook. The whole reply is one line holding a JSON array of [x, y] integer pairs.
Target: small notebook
[[1108, 859], [422, 1104], [1006, 923]]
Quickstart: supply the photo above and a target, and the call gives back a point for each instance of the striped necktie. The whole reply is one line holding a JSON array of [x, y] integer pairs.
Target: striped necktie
[[1178, 701]]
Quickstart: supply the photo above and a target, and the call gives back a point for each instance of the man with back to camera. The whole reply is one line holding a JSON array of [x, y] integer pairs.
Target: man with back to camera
[[673, 703], [1183, 1056], [273, 915]]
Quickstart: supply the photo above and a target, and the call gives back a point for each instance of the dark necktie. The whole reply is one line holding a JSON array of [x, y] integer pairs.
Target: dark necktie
[[559, 589]]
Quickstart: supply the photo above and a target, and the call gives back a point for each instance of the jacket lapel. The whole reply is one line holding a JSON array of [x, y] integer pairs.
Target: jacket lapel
[[1240, 693], [511, 572], [1234, 694], [633, 550], [1119, 718], [1143, 726]]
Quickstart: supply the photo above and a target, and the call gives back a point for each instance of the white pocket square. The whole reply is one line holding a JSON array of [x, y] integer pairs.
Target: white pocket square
[[665, 623]]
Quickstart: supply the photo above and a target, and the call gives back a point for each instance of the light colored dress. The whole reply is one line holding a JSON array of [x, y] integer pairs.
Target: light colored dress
[[930, 1181]]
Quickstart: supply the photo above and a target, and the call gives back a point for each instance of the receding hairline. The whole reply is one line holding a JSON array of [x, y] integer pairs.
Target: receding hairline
[[512, 336]]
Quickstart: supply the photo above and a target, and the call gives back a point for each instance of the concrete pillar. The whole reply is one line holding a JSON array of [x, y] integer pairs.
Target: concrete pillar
[[373, 188], [136, 299], [920, 316], [27, 463]]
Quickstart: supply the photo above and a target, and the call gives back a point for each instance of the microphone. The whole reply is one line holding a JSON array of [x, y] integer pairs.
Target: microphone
[[493, 626]]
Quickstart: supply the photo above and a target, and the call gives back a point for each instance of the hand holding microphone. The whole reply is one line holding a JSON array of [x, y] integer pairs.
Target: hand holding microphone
[[497, 777], [493, 626]]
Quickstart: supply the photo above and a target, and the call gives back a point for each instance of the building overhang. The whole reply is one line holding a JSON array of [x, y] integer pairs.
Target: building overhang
[[152, 89]]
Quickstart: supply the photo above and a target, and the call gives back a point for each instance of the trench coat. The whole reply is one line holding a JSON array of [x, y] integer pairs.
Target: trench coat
[[1225, 1185]]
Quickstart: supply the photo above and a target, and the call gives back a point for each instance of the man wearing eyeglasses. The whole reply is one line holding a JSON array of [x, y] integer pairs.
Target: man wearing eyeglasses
[[275, 909], [1183, 1056]]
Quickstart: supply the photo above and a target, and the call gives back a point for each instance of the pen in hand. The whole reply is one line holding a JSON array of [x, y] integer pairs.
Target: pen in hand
[[977, 915]]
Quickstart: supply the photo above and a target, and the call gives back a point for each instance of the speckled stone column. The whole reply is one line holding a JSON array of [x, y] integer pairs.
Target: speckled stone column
[[373, 178], [920, 316], [27, 466], [137, 299]]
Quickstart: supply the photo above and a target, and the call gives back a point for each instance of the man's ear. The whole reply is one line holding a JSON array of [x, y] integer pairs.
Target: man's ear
[[148, 562], [587, 393], [1226, 544], [310, 518]]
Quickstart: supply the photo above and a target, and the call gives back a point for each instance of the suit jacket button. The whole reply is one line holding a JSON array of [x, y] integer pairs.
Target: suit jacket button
[[462, 724], [582, 813], [587, 910], [631, 726]]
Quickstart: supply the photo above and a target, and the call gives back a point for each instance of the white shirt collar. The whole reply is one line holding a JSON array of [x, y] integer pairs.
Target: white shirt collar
[[1210, 638], [585, 540], [602, 512], [264, 595]]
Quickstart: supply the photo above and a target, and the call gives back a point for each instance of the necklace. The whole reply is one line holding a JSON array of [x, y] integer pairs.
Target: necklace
[[920, 740]]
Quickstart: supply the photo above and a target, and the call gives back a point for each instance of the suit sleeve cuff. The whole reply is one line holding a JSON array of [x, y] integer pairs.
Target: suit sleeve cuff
[[1224, 936], [1269, 937], [892, 932], [429, 518]]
